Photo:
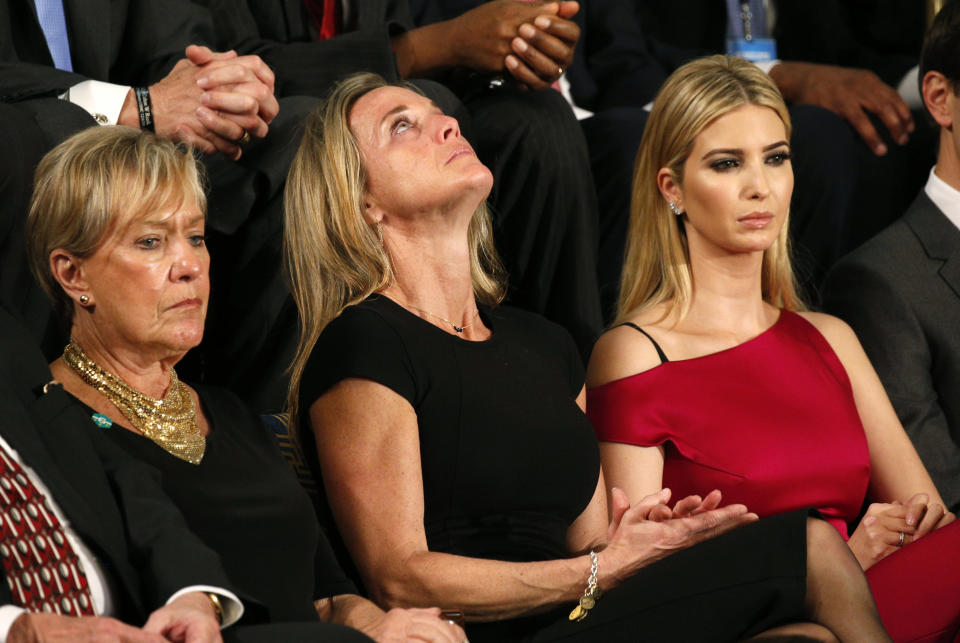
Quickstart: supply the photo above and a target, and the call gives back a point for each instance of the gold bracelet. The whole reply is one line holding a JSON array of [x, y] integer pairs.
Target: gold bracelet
[[217, 607], [590, 594]]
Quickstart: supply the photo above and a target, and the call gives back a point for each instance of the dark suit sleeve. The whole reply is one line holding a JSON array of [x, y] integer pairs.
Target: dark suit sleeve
[[884, 38], [302, 64], [125, 42], [617, 57], [894, 339]]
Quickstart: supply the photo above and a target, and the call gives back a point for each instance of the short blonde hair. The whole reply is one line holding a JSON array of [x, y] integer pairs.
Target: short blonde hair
[[95, 182], [333, 257], [657, 262]]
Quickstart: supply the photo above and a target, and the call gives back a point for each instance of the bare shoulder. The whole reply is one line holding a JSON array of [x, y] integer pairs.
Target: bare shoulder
[[620, 352], [842, 339], [836, 331]]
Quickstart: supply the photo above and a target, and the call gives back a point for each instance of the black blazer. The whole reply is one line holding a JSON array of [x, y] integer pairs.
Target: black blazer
[[281, 32], [114, 504], [120, 41], [901, 293], [883, 36]]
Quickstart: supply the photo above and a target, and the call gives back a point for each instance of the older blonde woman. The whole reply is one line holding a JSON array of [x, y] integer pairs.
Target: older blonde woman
[[117, 240], [449, 431], [717, 377]]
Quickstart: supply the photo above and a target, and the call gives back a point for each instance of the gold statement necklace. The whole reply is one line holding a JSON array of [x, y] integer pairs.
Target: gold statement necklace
[[170, 422]]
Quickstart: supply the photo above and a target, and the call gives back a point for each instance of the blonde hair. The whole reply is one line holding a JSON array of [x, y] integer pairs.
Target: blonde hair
[[332, 256], [657, 262], [94, 182]]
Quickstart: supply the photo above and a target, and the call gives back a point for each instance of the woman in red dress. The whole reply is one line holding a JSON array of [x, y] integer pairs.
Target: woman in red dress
[[715, 377]]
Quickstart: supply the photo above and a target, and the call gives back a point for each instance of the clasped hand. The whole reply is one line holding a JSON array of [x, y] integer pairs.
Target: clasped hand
[[651, 530], [533, 40], [211, 100], [878, 534]]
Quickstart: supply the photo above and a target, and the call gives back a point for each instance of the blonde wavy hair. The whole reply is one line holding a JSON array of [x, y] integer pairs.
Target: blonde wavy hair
[[657, 261], [96, 182], [333, 257]]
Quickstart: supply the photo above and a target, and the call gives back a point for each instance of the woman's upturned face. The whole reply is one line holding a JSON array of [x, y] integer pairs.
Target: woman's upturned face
[[738, 181], [149, 282], [415, 158]]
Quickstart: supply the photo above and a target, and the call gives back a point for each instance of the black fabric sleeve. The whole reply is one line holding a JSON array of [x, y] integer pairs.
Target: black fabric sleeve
[[358, 344], [330, 579], [574, 363]]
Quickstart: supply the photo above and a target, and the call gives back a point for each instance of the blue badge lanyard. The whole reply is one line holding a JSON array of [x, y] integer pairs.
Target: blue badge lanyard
[[747, 31]]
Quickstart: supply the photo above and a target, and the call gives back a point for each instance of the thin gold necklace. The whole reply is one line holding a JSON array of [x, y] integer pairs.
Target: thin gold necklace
[[170, 422], [459, 329]]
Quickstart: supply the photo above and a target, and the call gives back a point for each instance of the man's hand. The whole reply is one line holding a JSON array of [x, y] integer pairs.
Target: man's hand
[[188, 619], [489, 38], [262, 89], [850, 93], [543, 50], [54, 628], [213, 105]]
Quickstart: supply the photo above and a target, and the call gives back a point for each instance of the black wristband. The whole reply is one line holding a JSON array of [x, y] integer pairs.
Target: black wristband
[[144, 107]]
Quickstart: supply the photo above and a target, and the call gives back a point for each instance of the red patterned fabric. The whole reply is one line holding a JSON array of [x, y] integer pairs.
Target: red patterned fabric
[[41, 567]]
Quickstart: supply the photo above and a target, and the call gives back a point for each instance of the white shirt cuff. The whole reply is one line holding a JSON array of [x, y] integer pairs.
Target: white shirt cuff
[[101, 100], [231, 605], [909, 89], [8, 614]]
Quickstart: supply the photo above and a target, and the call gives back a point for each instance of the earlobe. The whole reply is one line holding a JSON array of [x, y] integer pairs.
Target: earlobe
[[670, 189], [372, 213], [937, 96], [68, 272]]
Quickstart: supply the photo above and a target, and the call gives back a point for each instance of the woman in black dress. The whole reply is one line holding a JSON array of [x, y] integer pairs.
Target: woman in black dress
[[116, 238], [458, 464]]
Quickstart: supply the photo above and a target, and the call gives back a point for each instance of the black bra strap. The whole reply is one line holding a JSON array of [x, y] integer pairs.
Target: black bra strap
[[663, 356]]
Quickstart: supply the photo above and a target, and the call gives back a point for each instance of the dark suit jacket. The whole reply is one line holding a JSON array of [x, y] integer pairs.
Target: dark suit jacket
[[114, 503], [883, 36], [901, 293], [120, 41], [282, 33]]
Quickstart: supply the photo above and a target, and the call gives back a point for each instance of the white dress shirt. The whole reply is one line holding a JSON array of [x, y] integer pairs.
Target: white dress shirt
[[944, 196]]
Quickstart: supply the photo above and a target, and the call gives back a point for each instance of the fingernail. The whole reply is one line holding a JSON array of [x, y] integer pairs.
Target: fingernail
[[202, 112], [520, 44], [205, 98], [512, 62], [880, 149], [542, 21], [903, 139], [202, 81], [527, 31]]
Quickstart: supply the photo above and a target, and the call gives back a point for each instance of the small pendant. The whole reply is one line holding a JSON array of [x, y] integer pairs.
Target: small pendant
[[459, 329], [577, 614], [587, 603]]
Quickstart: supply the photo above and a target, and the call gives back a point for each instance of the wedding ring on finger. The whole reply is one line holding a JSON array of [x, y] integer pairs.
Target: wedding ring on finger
[[559, 72], [900, 542], [243, 140]]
